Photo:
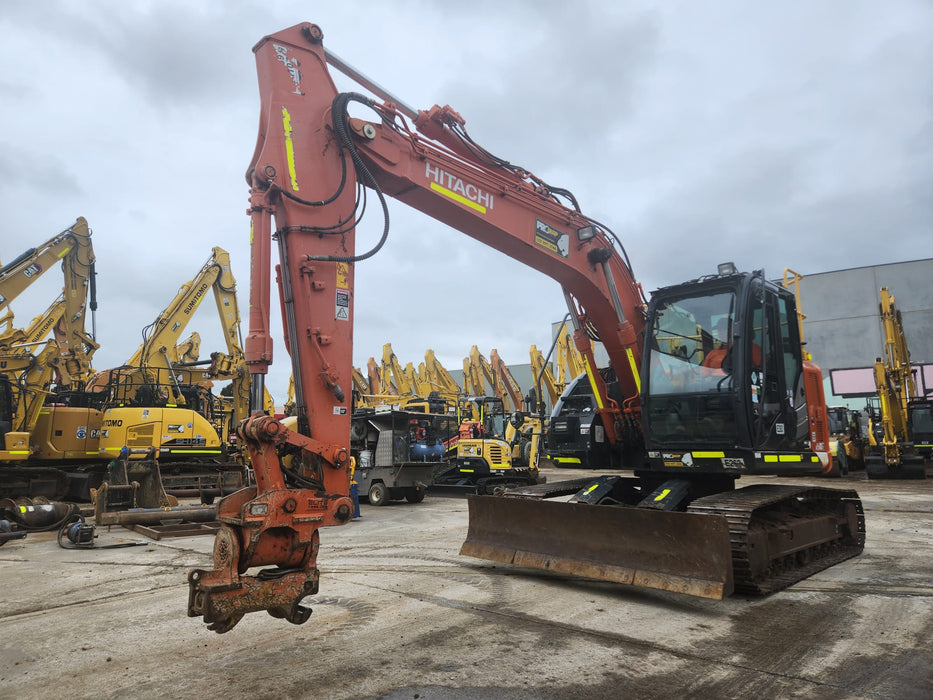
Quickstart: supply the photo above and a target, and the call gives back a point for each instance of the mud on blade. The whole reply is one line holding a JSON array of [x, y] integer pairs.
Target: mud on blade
[[672, 551]]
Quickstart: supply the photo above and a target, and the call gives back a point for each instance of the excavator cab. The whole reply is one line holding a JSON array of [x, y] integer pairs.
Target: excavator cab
[[576, 436], [13, 445], [725, 380], [725, 392], [920, 426]]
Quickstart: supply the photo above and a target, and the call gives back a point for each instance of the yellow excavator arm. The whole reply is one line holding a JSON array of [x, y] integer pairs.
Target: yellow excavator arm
[[894, 382], [162, 348], [542, 369], [74, 345], [392, 373], [438, 378]]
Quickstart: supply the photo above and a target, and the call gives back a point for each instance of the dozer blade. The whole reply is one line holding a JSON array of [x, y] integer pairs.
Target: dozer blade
[[671, 551]]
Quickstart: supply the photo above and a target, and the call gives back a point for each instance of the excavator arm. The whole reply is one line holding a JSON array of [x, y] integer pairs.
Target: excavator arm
[[570, 363], [72, 247], [509, 390], [29, 368], [75, 345], [161, 348], [309, 159], [544, 378], [896, 388], [439, 379], [473, 382], [393, 374]]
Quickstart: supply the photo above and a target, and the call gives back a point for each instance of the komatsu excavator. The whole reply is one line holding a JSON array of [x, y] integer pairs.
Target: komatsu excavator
[[699, 426]]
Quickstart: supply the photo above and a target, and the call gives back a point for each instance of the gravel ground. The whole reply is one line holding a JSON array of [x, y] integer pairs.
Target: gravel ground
[[401, 615]]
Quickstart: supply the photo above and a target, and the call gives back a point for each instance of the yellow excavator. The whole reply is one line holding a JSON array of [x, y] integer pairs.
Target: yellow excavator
[[493, 450], [894, 454], [167, 405], [389, 384], [27, 373], [58, 428]]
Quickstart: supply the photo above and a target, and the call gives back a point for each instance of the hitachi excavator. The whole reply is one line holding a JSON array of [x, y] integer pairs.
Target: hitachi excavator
[[689, 429]]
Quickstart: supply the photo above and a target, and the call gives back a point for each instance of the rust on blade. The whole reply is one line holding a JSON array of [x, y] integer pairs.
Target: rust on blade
[[680, 552]]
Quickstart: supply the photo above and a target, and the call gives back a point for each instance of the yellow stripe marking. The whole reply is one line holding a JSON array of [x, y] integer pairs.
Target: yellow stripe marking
[[64, 252], [458, 198], [589, 375], [661, 496], [634, 366], [771, 458], [289, 147], [709, 455], [790, 458]]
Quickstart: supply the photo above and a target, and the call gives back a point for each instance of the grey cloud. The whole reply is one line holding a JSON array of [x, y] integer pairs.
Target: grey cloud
[[30, 170]]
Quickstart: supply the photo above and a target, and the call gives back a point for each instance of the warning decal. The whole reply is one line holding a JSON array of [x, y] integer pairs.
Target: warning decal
[[342, 312], [550, 238], [343, 269]]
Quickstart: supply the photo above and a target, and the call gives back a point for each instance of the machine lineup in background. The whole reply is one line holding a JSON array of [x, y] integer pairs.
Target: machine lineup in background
[[707, 382], [63, 423]]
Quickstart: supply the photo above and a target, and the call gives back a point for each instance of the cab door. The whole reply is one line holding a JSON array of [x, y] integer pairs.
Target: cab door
[[773, 367]]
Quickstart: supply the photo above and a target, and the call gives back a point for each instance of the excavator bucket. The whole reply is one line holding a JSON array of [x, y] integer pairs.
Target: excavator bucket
[[671, 551]]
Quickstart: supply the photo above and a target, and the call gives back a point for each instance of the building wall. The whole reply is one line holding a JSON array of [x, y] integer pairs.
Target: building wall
[[843, 327]]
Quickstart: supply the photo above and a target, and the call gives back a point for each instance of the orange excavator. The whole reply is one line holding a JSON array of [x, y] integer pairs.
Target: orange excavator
[[688, 430]]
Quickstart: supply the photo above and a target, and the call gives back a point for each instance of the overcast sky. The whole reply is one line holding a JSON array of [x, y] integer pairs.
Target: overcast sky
[[783, 134]]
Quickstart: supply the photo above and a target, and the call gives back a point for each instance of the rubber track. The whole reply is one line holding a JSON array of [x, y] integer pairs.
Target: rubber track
[[739, 508]]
